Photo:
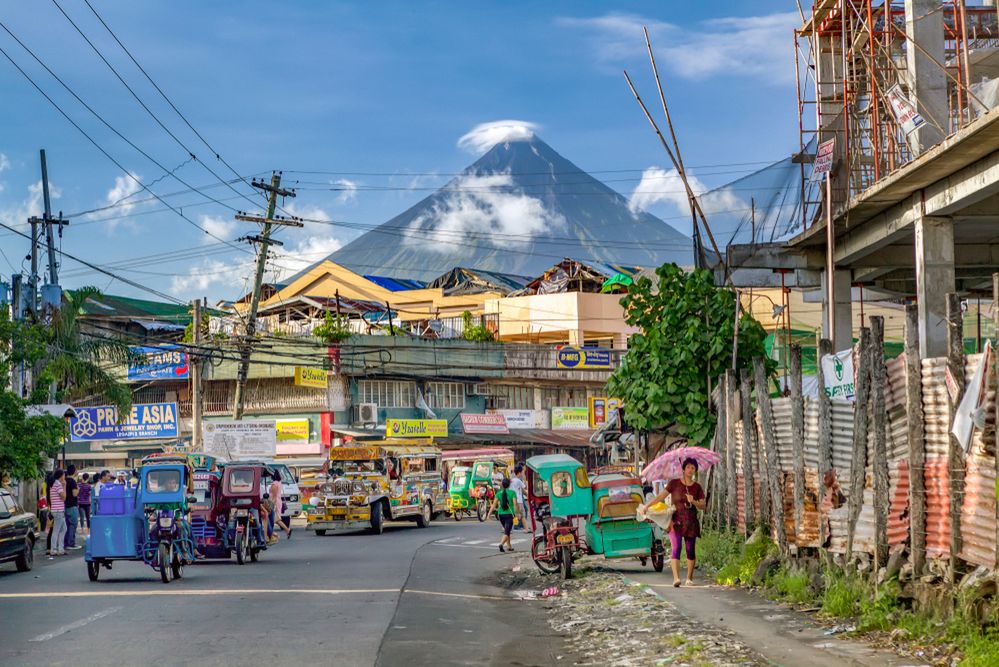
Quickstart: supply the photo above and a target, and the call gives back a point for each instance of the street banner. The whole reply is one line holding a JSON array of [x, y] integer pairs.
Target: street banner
[[824, 158], [292, 431], [416, 428], [837, 369], [316, 378], [146, 420], [565, 418], [519, 419], [240, 439], [158, 363], [601, 408], [581, 358], [489, 424], [905, 111]]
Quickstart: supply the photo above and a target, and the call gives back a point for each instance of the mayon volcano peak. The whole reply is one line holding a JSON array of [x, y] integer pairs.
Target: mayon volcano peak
[[519, 209]]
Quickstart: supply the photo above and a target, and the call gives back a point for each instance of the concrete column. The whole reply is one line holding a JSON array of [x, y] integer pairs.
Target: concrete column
[[576, 337], [842, 331], [927, 81], [934, 279]]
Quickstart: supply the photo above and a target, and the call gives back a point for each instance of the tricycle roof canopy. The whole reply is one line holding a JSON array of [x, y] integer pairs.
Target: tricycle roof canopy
[[552, 462]]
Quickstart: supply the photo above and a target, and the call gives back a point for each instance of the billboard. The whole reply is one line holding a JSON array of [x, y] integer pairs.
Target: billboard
[[240, 439], [570, 418], [317, 378], [488, 424], [415, 428], [582, 358], [158, 363], [146, 420], [517, 419]]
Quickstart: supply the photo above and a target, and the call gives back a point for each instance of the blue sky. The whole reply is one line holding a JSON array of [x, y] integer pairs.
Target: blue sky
[[378, 92]]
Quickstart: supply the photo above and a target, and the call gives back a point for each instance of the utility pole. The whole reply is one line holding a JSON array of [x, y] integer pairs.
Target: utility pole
[[264, 241], [53, 296], [195, 360]]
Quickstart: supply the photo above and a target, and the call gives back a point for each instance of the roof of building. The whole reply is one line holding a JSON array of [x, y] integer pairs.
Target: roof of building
[[395, 284], [571, 275], [111, 306], [463, 280]]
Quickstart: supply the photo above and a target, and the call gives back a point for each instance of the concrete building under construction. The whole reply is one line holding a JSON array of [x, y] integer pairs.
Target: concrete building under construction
[[899, 161]]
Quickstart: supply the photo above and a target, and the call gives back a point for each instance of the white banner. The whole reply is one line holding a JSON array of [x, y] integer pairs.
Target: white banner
[[905, 111], [240, 439], [524, 418], [974, 396], [837, 370]]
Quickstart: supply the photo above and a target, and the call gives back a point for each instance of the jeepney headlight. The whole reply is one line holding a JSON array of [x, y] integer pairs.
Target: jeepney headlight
[[357, 487], [293, 498], [326, 488], [358, 500]]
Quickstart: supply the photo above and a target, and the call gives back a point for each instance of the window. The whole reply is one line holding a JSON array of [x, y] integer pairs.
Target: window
[[387, 393], [163, 481], [7, 504], [459, 479], [562, 484], [446, 395], [582, 481], [482, 471], [241, 481], [517, 398], [565, 397]]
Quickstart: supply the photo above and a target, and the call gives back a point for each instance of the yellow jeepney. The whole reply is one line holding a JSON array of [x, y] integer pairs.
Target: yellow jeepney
[[370, 482]]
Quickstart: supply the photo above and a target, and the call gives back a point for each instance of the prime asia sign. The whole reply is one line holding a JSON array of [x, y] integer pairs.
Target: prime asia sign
[[146, 420], [158, 363]]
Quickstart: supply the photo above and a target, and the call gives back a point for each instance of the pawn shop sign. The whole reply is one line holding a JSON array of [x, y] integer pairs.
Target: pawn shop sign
[[311, 377]]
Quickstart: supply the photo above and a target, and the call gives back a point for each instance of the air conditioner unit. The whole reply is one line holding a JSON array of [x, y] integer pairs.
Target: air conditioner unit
[[366, 413]]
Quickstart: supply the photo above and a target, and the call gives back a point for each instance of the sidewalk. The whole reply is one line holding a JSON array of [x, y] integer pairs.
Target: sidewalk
[[783, 635]]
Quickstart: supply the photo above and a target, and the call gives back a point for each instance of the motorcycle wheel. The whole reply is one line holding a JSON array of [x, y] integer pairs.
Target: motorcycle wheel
[[538, 554], [254, 554], [320, 532], [93, 570], [458, 515], [177, 567], [240, 548], [480, 510], [566, 559], [164, 562], [658, 555]]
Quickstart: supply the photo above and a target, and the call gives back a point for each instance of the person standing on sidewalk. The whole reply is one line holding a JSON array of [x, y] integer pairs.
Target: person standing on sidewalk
[[57, 501], [278, 500], [72, 507], [684, 528], [84, 502]]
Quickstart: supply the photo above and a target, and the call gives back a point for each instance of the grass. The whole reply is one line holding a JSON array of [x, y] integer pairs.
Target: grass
[[791, 585], [842, 594], [715, 549], [740, 567]]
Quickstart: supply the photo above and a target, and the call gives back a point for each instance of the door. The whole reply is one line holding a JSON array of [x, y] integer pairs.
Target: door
[[8, 531]]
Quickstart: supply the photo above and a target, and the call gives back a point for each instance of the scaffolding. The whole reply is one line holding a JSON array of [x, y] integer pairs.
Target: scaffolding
[[851, 54]]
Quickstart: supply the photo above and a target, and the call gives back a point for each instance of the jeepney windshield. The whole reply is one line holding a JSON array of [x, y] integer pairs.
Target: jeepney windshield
[[367, 466]]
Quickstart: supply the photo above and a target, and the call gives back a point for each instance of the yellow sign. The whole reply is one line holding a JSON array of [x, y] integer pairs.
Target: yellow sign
[[408, 428], [601, 409], [311, 377], [292, 430], [353, 453]]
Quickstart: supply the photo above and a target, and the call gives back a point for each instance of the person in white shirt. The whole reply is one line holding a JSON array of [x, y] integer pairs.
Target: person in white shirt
[[518, 487]]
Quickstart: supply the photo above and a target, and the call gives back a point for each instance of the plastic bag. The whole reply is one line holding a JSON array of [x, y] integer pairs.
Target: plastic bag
[[660, 513]]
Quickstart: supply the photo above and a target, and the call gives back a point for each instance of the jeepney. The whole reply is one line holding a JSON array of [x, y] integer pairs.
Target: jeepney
[[371, 482]]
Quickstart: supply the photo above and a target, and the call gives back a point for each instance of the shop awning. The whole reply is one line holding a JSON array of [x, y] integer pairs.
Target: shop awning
[[525, 436]]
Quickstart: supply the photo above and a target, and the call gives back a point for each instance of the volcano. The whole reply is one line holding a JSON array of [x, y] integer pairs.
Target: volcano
[[519, 209]]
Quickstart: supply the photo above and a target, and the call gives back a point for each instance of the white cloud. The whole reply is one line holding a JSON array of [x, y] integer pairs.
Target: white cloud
[[661, 186], [347, 189], [124, 188], [32, 205], [304, 211], [288, 261], [4, 163], [483, 205], [484, 136], [750, 46], [221, 228]]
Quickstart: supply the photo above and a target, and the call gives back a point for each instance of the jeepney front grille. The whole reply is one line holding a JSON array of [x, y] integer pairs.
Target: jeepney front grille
[[341, 487]]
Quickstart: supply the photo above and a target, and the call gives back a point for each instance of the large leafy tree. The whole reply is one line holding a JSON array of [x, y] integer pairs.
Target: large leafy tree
[[687, 327]]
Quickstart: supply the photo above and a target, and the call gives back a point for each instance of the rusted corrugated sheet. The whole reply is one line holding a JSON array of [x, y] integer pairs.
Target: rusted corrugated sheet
[[812, 433], [978, 511], [782, 428], [809, 534], [937, 507], [740, 497], [842, 436], [895, 392], [936, 406], [898, 510]]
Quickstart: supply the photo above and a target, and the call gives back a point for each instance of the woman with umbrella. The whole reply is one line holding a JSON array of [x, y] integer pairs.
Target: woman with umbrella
[[688, 497]]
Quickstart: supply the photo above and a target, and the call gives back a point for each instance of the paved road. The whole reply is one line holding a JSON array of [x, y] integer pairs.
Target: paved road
[[409, 596]]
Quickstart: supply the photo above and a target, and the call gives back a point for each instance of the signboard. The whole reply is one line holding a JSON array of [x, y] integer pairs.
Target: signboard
[[824, 158], [353, 453], [146, 420], [578, 358], [158, 363], [408, 428], [490, 423], [837, 370], [292, 431], [311, 377], [600, 409], [517, 419], [905, 111], [240, 439], [570, 418]]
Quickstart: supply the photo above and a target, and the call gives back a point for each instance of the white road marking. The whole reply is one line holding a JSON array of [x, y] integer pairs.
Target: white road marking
[[469, 596], [463, 546], [197, 591], [75, 625], [446, 540], [475, 541]]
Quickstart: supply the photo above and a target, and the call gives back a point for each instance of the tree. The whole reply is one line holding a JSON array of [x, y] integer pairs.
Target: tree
[[333, 330], [687, 327], [475, 332]]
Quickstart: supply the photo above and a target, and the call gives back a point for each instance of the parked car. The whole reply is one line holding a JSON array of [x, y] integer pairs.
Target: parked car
[[17, 533]]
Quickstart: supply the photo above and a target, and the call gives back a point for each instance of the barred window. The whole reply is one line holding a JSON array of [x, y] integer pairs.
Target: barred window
[[446, 395], [566, 397], [517, 398], [387, 393]]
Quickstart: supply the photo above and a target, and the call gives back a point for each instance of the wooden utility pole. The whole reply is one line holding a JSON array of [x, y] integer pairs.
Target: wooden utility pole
[[995, 363], [825, 437], [264, 241], [745, 389], [955, 453], [917, 440], [771, 470], [798, 442], [195, 361], [858, 463], [879, 377], [731, 411]]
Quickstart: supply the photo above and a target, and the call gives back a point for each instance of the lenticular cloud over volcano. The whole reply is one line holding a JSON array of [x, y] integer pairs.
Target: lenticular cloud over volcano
[[484, 136]]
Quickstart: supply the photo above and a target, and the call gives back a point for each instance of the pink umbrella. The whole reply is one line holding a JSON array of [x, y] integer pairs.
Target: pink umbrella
[[668, 465]]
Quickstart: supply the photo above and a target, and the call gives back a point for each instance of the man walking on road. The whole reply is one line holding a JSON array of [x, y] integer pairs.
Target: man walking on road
[[83, 499], [72, 507]]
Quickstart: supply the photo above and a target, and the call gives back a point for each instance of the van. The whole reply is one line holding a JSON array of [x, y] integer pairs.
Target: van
[[291, 495]]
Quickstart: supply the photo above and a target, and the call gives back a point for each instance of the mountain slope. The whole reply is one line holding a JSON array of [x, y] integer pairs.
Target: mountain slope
[[519, 209]]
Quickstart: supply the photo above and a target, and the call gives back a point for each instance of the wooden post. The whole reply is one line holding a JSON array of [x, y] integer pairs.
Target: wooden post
[[771, 477], [798, 442], [917, 441], [721, 436], [995, 356], [955, 454], [195, 362], [760, 457], [879, 378], [747, 448], [732, 480], [825, 436], [858, 463]]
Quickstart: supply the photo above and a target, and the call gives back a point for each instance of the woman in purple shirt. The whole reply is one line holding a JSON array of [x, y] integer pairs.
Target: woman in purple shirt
[[83, 501]]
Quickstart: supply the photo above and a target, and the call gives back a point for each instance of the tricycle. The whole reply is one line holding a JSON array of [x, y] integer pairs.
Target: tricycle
[[242, 528], [147, 523], [562, 496], [466, 491]]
